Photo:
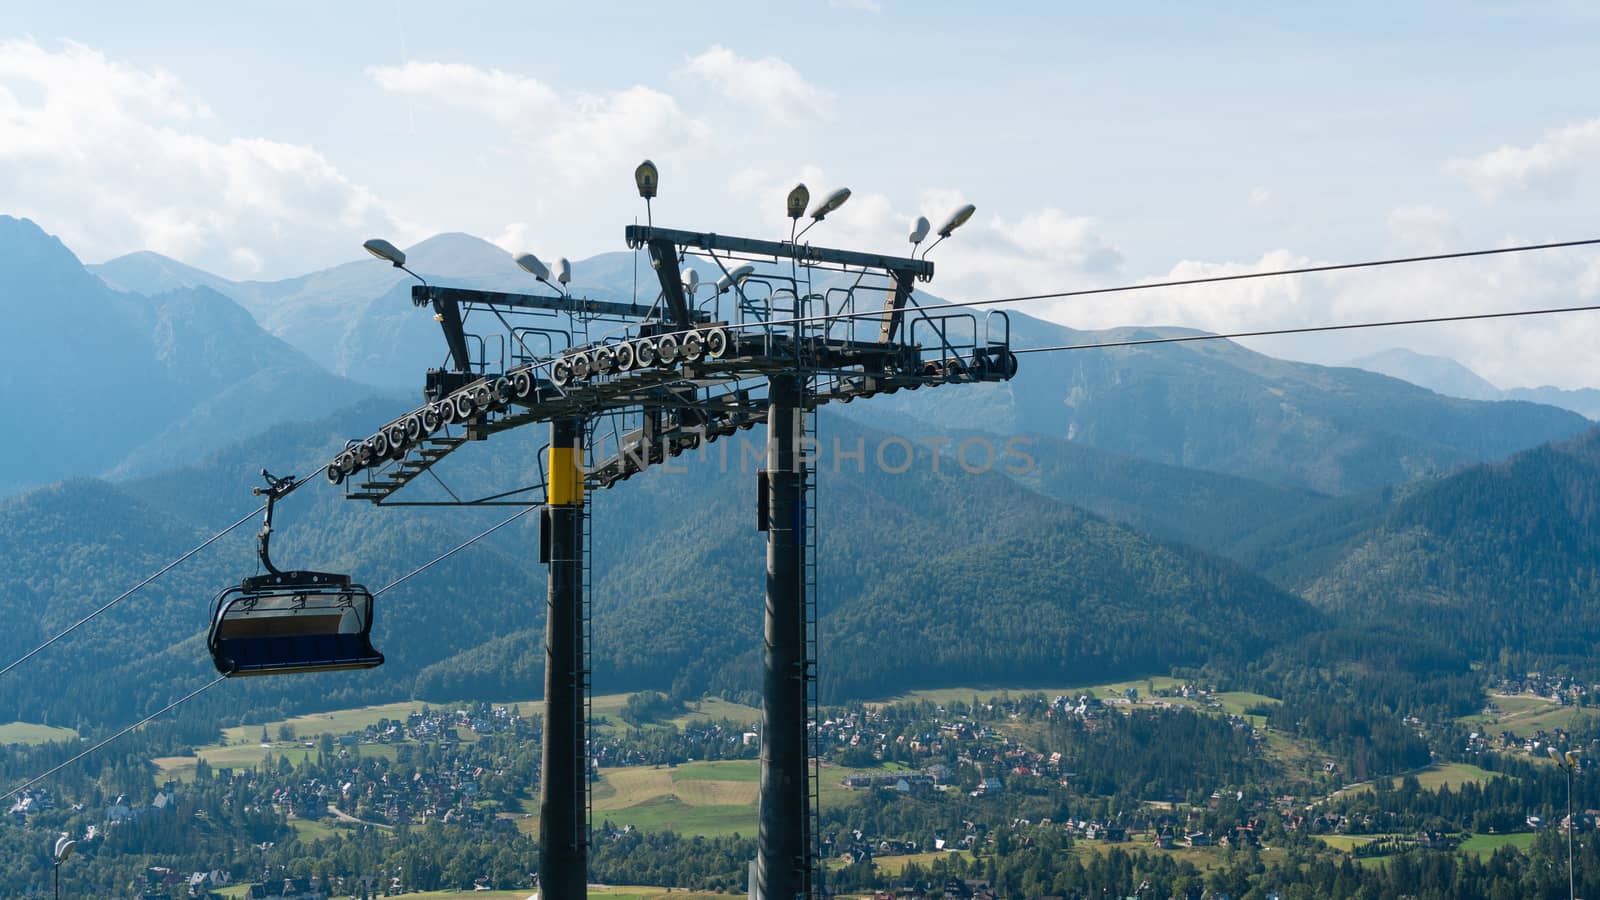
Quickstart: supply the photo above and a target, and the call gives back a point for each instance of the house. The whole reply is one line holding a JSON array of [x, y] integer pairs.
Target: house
[[288, 889], [1434, 840], [1197, 839]]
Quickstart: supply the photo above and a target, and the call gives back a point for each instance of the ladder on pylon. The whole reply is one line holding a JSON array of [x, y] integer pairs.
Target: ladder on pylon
[[806, 463], [586, 630]]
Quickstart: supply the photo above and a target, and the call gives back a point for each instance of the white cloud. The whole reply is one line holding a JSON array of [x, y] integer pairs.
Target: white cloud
[[1508, 352], [1589, 281], [503, 96], [611, 133], [515, 238], [583, 135], [1425, 226], [81, 132], [1550, 165], [748, 182], [1056, 236], [769, 84]]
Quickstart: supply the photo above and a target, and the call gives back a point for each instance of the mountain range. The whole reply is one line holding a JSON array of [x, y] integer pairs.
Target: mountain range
[[101, 381], [1184, 506], [1452, 379], [1213, 406]]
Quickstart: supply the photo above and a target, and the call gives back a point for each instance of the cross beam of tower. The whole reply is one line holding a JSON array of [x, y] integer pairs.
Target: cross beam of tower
[[787, 328]]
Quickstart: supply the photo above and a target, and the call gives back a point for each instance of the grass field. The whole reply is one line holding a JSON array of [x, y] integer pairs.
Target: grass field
[[314, 829], [894, 865], [609, 891], [244, 756], [1480, 845], [1485, 844], [965, 694], [708, 709], [1431, 778], [1524, 714], [1349, 842], [1236, 702], [637, 892], [1452, 774], [29, 733], [716, 709], [710, 798], [345, 721], [1202, 858]]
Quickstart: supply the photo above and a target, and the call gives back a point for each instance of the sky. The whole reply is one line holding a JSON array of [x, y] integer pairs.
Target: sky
[[1102, 144]]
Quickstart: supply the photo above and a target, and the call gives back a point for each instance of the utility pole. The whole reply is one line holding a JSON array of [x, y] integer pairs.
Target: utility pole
[[563, 807], [783, 866]]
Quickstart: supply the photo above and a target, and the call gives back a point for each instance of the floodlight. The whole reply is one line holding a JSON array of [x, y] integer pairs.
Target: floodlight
[[563, 271], [956, 220], [737, 276], [534, 266], [691, 282], [647, 177], [833, 202], [798, 198], [919, 230], [385, 251]]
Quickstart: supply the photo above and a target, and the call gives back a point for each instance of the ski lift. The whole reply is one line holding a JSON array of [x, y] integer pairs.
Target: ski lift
[[284, 622]]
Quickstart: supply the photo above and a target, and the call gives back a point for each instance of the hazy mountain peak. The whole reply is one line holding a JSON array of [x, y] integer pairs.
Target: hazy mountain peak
[[458, 254], [34, 261], [1439, 374], [150, 273]]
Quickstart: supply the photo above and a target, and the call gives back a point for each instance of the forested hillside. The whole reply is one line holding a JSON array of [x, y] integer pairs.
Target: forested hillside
[[1501, 560], [677, 600]]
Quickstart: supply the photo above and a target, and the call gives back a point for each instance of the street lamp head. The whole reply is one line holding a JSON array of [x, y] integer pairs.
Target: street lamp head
[[385, 251], [647, 177], [64, 848], [691, 282], [956, 220], [1555, 754], [1572, 760], [534, 266], [919, 230], [737, 276], [563, 271], [799, 197], [832, 202]]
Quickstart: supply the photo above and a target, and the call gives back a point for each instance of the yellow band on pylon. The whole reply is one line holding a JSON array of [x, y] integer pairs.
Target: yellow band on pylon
[[566, 479]]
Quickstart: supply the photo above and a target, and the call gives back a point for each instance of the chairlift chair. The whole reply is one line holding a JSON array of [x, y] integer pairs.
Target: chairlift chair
[[284, 622]]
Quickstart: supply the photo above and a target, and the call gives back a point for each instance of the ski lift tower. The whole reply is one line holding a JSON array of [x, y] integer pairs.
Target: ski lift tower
[[785, 327]]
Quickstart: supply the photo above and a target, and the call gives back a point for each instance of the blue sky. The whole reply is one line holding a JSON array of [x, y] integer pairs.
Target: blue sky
[[1102, 143]]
